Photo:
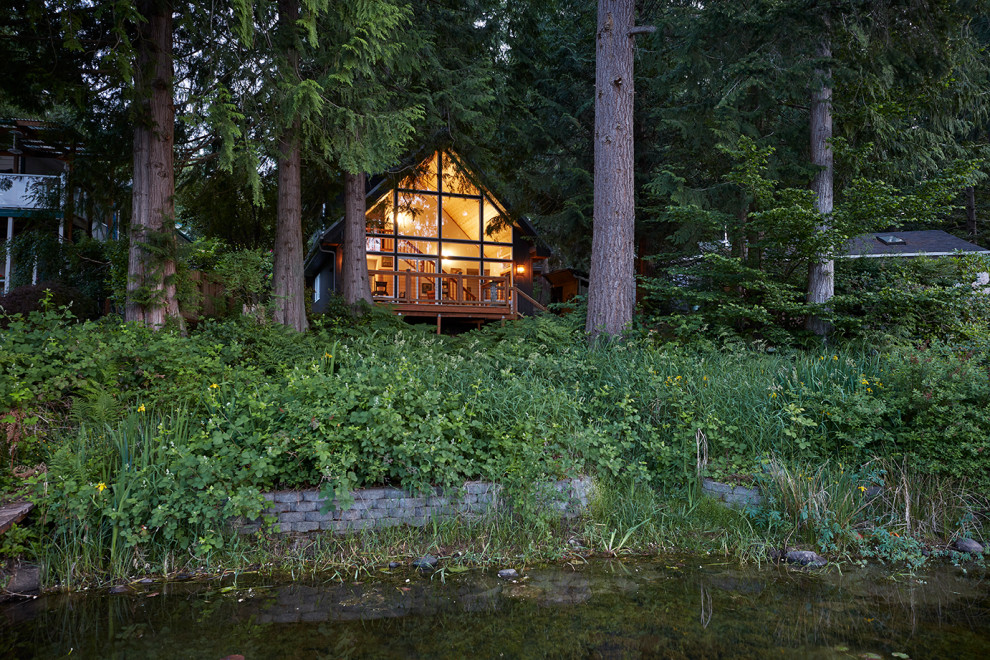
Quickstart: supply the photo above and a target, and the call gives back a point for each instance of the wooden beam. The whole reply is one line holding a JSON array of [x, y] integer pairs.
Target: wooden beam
[[529, 298], [13, 513]]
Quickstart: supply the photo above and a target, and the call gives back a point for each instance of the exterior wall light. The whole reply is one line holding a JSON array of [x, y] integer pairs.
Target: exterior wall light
[[520, 269]]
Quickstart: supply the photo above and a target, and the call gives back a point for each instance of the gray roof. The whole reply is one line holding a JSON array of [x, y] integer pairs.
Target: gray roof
[[932, 243]]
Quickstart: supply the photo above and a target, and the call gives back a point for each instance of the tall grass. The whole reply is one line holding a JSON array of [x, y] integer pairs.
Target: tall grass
[[97, 472]]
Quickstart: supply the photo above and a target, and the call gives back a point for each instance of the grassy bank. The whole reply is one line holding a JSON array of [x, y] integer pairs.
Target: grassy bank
[[625, 520], [144, 443]]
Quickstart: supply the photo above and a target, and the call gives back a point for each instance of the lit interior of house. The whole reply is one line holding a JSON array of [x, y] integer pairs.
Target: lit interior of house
[[438, 239]]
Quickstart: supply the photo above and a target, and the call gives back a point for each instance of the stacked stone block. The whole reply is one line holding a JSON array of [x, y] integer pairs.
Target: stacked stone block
[[736, 496], [299, 511]]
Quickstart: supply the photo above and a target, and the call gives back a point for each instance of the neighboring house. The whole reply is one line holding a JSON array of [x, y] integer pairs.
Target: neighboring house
[[929, 243], [33, 167], [438, 247], [565, 283], [908, 244]]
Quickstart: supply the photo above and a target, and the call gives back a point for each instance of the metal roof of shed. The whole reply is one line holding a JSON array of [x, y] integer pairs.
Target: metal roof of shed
[[931, 243]]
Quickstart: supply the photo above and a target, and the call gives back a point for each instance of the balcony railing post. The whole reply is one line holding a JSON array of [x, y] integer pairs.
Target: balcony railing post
[[492, 290]]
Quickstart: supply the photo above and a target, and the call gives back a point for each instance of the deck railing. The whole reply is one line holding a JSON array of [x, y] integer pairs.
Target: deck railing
[[414, 287]]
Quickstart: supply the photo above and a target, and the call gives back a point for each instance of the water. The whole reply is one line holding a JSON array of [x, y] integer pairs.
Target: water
[[683, 608]]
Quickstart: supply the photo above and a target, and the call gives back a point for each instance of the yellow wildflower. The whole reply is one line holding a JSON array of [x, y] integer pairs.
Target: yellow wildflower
[[862, 489], [835, 357], [773, 395], [141, 408], [870, 390], [101, 486], [214, 386], [327, 355]]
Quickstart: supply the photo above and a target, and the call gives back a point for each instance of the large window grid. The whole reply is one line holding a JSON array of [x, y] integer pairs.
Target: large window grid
[[417, 231]]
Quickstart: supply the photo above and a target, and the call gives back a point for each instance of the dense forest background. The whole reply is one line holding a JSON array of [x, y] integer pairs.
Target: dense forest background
[[766, 133], [273, 106]]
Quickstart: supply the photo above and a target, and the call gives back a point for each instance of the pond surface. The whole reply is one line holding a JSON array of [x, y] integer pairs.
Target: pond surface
[[673, 608]]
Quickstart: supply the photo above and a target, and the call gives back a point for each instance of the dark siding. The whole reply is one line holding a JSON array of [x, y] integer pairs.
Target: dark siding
[[327, 281], [524, 280]]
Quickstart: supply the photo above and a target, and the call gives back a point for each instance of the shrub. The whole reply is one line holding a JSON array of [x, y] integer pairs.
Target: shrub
[[372, 401], [46, 295]]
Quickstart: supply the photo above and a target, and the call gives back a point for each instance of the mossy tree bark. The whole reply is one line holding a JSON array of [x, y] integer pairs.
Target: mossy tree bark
[[151, 256], [289, 285], [289, 280]]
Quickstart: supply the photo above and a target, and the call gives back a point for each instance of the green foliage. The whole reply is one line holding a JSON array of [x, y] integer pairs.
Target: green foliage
[[823, 502], [47, 295], [17, 541], [246, 276], [150, 481], [905, 300], [754, 287], [373, 401]]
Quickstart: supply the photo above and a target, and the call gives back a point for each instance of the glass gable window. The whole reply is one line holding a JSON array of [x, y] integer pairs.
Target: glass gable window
[[417, 215], [437, 238], [461, 218]]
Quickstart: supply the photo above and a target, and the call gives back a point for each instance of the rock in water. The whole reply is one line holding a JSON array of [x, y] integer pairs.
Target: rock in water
[[425, 563], [120, 589], [805, 558], [508, 573], [968, 545], [25, 580]]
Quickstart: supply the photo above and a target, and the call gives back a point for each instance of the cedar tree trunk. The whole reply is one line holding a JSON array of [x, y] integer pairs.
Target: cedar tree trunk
[[612, 285], [151, 255], [821, 271], [354, 281], [289, 283]]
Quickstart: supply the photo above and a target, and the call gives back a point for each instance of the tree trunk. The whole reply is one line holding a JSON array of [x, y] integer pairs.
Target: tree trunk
[[821, 272], [289, 288], [290, 284], [354, 280], [970, 211], [612, 285], [151, 256]]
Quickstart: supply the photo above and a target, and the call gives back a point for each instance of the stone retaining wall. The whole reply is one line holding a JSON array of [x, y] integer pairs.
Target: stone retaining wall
[[739, 496], [298, 511]]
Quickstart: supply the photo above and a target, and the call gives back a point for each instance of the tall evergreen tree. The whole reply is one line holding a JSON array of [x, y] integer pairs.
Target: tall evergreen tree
[[612, 284], [151, 257], [288, 279], [821, 270]]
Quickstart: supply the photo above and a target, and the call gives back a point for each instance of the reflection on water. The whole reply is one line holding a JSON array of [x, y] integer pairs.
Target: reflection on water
[[670, 609]]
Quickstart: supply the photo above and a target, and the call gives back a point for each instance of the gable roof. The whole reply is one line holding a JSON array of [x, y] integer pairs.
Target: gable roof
[[382, 183], [930, 243]]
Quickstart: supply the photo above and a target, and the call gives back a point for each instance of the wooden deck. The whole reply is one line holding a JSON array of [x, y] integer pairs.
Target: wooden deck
[[445, 295], [451, 296], [435, 310], [13, 512]]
